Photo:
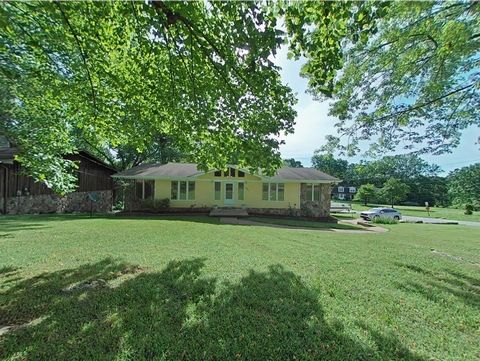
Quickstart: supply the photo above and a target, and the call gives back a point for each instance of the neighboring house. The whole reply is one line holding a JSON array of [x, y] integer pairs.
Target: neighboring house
[[20, 193], [343, 192], [292, 191]]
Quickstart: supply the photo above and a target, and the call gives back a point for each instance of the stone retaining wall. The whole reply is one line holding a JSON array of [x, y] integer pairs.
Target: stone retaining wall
[[77, 202], [283, 212]]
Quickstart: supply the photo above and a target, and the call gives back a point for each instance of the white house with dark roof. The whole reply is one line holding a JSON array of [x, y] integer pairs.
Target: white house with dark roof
[[291, 191]]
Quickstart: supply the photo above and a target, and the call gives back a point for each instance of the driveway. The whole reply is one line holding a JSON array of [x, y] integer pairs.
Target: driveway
[[439, 221]]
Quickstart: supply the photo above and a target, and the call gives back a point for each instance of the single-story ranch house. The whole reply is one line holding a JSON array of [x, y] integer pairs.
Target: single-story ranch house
[[291, 191]]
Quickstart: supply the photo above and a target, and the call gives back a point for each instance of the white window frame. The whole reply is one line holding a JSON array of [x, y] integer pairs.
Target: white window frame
[[276, 192], [352, 189], [341, 196], [187, 191], [312, 185], [341, 189]]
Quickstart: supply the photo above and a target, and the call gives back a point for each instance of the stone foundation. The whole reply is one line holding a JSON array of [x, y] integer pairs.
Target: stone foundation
[[282, 212], [77, 202]]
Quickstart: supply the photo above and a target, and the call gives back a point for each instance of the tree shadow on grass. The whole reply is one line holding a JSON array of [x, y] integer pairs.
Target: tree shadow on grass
[[175, 314], [12, 223], [432, 285]]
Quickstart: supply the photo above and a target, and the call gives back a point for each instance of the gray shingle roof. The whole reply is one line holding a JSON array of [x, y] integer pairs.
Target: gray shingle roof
[[161, 170], [303, 174], [7, 154], [190, 169]]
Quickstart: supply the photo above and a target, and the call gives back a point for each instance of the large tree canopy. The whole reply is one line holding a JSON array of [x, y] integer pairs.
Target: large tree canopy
[[117, 73], [415, 83], [464, 186]]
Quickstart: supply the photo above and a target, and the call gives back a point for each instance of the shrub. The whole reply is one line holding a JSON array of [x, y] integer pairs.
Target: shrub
[[468, 209], [163, 203], [147, 204], [384, 220]]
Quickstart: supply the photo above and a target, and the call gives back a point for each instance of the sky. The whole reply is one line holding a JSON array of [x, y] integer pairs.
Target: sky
[[313, 123]]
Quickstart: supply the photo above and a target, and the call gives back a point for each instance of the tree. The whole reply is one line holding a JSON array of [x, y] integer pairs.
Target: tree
[[414, 83], [464, 186], [394, 191], [327, 163], [366, 193], [160, 149], [109, 74], [432, 189], [319, 31], [291, 162]]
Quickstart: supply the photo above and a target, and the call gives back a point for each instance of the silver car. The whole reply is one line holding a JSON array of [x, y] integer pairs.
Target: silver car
[[376, 213]]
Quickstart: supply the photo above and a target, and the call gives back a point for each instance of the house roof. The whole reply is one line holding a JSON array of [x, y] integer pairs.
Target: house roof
[[7, 155], [185, 170], [161, 170], [303, 174]]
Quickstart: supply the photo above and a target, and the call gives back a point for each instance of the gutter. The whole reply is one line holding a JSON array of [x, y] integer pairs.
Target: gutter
[[222, 179]]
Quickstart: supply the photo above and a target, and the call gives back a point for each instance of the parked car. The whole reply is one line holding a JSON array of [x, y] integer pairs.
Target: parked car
[[375, 213]]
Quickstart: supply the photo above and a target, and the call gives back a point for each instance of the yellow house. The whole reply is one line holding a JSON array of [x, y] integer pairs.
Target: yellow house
[[291, 191]]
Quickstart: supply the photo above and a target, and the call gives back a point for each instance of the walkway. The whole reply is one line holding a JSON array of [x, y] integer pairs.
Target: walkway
[[439, 221], [246, 222]]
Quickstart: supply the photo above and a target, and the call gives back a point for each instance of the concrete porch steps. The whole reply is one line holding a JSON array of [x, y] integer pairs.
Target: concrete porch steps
[[228, 212]]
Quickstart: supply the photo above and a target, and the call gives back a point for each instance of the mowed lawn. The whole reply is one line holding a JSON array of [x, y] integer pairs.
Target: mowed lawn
[[435, 212], [188, 288]]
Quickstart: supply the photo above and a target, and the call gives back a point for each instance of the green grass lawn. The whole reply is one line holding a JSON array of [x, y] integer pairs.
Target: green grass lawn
[[303, 223], [188, 288], [435, 212]]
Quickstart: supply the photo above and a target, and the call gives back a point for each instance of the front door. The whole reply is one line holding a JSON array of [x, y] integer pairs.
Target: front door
[[228, 194]]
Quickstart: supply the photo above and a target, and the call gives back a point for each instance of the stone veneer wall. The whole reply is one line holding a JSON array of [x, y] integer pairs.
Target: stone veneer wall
[[52, 203], [284, 212], [316, 209]]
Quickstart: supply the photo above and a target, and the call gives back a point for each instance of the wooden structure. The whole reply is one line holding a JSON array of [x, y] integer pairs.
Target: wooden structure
[[93, 175]]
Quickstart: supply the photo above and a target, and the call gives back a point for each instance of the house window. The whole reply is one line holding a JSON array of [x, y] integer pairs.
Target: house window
[[241, 191], [182, 193], [174, 192], [352, 189], [218, 191], [313, 192], [341, 196], [341, 189], [273, 191], [182, 190], [316, 192], [265, 191], [309, 193], [139, 189], [281, 192], [218, 173], [232, 172], [144, 189], [241, 174], [148, 189]]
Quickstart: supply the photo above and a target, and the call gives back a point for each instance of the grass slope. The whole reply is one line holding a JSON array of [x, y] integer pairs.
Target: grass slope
[[435, 212], [187, 288]]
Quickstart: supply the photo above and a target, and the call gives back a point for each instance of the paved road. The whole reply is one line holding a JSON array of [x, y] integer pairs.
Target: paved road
[[439, 221]]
